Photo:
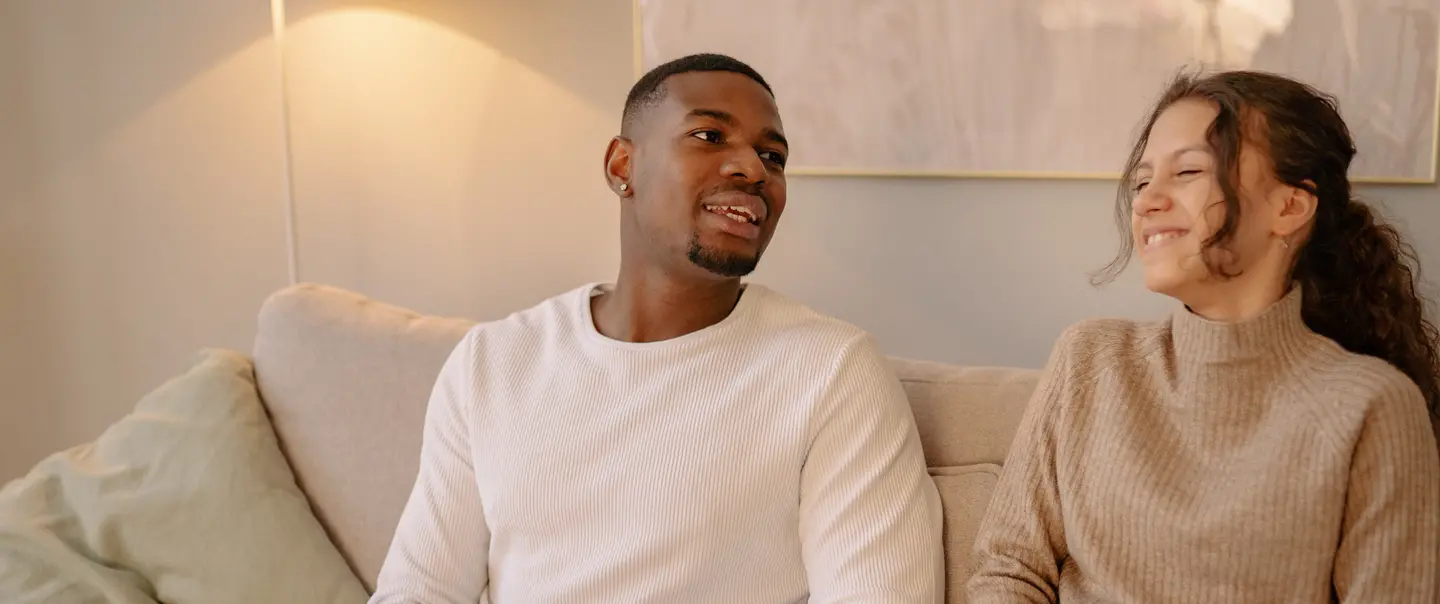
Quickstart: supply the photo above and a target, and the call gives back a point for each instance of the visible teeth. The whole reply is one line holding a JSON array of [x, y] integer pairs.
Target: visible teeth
[[736, 213], [1158, 237]]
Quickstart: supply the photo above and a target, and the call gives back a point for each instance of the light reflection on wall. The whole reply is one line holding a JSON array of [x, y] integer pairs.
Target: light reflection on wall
[[426, 160], [1222, 32]]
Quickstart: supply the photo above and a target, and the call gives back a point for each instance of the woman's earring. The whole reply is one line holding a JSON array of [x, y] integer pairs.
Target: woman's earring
[[1284, 245], [624, 187]]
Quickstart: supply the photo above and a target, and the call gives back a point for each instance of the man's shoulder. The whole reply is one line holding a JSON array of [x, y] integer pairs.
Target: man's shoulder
[[841, 363], [788, 319], [812, 341], [550, 315]]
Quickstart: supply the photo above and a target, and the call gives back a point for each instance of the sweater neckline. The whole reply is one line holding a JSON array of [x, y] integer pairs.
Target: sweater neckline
[[750, 295], [1277, 333]]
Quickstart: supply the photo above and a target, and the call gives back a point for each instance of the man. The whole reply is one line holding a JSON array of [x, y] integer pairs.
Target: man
[[678, 436]]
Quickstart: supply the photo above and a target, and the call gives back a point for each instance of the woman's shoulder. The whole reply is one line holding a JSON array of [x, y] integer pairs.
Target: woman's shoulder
[[1357, 396], [1357, 380], [1108, 337], [1092, 345]]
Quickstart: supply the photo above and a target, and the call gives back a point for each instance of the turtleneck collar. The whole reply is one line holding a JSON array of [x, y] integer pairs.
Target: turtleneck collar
[[1276, 334]]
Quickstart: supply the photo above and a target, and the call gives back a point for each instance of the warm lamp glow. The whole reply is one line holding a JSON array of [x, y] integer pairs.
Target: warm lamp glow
[[419, 143]]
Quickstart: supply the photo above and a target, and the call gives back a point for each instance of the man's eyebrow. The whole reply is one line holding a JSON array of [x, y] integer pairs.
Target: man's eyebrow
[[714, 114], [772, 134], [725, 117]]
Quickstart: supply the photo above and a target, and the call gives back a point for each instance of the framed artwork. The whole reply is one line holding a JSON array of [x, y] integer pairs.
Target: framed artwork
[[1051, 88]]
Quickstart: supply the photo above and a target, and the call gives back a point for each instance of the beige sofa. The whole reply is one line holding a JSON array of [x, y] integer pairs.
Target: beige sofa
[[279, 476], [345, 380]]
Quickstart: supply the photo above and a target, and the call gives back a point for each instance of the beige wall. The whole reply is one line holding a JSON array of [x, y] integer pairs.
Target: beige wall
[[140, 203], [447, 157]]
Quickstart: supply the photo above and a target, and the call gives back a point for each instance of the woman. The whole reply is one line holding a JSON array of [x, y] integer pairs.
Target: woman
[[1272, 440]]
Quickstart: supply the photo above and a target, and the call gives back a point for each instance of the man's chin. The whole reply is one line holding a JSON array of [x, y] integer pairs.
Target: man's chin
[[724, 264]]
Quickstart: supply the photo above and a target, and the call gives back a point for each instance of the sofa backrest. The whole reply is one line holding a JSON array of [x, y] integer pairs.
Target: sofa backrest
[[346, 380]]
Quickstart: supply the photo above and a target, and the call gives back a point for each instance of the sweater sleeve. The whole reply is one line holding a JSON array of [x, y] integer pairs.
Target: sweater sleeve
[[1390, 540], [870, 517], [439, 552], [1021, 545]]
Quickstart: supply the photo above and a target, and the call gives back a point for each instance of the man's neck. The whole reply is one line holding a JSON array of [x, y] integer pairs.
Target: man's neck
[[652, 307]]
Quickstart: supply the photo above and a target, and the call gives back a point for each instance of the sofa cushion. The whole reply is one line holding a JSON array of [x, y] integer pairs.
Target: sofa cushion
[[966, 415], [346, 380], [965, 493], [188, 499]]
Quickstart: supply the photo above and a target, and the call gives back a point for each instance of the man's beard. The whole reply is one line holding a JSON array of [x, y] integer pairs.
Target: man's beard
[[720, 263]]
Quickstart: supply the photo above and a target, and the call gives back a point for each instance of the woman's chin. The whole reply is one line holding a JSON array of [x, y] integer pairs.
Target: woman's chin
[[1164, 282]]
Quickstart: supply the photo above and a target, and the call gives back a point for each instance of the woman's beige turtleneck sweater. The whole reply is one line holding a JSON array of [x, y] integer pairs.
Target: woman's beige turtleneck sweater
[[1194, 461]]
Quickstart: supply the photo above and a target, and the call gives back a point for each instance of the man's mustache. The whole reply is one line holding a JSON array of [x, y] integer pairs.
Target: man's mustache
[[756, 189]]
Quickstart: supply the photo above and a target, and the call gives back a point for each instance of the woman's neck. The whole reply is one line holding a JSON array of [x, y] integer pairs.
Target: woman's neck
[[1235, 301], [1274, 333]]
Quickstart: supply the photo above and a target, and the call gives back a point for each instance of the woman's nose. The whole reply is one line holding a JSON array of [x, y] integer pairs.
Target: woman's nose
[[1153, 198]]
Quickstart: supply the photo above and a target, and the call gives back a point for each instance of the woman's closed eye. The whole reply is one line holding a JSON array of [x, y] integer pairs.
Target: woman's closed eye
[[1186, 173]]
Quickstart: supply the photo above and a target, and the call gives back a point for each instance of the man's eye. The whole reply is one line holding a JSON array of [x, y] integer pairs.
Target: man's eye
[[774, 157], [709, 136]]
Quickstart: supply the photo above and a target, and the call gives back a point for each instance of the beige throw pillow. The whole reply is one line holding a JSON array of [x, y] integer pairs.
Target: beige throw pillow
[[965, 492], [189, 492]]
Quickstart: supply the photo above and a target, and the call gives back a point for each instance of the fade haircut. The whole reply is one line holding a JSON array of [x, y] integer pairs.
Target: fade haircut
[[650, 89]]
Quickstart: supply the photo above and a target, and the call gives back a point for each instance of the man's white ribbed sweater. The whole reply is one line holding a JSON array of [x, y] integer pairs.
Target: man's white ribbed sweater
[[769, 458]]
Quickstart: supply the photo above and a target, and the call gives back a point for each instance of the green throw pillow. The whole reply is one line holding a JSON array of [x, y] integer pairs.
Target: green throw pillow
[[187, 498]]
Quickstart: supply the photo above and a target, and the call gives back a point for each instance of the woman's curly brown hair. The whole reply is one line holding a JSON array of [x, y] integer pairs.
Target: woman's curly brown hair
[[1358, 276]]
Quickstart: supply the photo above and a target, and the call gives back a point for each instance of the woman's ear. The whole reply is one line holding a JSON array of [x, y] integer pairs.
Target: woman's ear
[[1297, 209]]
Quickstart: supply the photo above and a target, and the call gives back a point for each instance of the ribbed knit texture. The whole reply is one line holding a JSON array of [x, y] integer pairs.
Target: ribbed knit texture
[[1194, 461], [769, 458]]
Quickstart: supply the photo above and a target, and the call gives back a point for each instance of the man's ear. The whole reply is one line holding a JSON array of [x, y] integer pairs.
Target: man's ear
[[618, 163], [1297, 209]]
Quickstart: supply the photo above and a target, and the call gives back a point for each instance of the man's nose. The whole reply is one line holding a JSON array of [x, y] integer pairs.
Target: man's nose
[[745, 163]]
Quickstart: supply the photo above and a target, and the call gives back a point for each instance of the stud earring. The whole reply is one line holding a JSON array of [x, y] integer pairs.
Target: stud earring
[[1284, 244], [624, 187]]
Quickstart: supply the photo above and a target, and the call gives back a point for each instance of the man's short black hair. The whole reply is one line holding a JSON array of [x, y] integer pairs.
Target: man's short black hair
[[650, 89]]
